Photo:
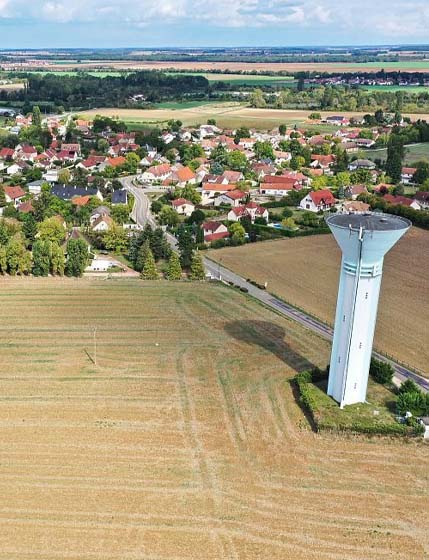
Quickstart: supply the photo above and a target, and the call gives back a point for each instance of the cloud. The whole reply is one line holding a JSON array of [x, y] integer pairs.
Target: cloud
[[384, 18]]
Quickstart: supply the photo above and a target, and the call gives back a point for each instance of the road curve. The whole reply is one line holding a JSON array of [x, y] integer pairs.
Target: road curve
[[141, 214]]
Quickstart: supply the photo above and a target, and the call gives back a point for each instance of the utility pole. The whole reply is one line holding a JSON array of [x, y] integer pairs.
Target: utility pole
[[95, 345]]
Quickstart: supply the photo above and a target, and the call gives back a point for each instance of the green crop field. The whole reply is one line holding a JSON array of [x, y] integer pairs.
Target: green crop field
[[411, 89], [413, 153], [97, 73], [399, 65], [243, 79], [179, 436]]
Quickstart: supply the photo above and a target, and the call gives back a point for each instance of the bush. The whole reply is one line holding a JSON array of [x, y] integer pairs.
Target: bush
[[416, 402], [381, 372], [408, 386]]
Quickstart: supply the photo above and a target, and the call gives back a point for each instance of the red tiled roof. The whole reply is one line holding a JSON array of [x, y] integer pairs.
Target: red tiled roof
[[26, 207], [214, 236], [408, 170], [181, 202], [80, 200], [403, 200], [322, 159], [116, 162], [6, 152], [217, 187], [279, 179], [211, 225], [231, 176], [29, 149], [14, 192], [185, 174], [323, 196], [158, 170], [235, 195]]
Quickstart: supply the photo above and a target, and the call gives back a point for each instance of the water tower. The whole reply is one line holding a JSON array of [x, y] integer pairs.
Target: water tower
[[364, 240]]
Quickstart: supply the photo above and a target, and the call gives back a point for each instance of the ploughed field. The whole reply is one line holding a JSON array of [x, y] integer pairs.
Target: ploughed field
[[184, 441], [305, 272]]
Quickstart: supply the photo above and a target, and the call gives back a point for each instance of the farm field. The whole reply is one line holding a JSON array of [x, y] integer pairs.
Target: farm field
[[228, 114], [411, 89], [413, 153], [305, 271], [408, 65], [243, 79], [184, 441]]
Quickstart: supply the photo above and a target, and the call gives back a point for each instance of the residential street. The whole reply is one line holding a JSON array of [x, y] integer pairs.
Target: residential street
[[141, 215]]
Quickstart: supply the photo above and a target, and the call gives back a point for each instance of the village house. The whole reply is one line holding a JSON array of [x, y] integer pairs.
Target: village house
[[183, 207], [281, 157], [337, 120], [80, 200], [183, 175], [26, 208], [407, 175], [355, 207], [251, 210], [422, 198], [25, 152], [318, 201], [67, 192], [214, 230], [231, 198], [210, 191], [361, 164], [156, 173], [99, 212], [16, 168], [353, 191], [14, 194], [364, 142], [71, 148], [402, 201], [7, 154], [322, 161], [119, 196], [103, 223], [229, 176]]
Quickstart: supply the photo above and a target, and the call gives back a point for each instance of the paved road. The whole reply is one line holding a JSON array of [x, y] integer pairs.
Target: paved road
[[142, 215]]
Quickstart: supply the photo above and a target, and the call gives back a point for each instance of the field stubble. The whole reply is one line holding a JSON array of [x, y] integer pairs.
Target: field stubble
[[184, 441]]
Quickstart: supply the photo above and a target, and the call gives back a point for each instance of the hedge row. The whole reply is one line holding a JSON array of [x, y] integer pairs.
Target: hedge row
[[290, 233], [304, 382]]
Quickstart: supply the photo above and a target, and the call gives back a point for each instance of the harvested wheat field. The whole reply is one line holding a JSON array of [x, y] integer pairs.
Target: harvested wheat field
[[184, 441], [305, 272], [229, 114]]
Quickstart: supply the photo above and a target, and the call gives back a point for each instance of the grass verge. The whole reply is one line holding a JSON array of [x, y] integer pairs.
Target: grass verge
[[374, 417]]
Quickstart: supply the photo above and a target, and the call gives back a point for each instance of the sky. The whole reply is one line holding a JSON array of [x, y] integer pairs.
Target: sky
[[169, 23]]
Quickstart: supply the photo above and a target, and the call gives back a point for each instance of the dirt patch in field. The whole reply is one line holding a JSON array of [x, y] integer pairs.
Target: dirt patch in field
[[305, 272], [184, 441]]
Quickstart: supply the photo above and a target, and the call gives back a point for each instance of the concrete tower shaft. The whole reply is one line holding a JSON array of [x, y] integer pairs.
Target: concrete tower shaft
[[364, 240]]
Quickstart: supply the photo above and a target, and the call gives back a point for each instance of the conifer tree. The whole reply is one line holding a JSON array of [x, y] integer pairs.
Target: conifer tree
[[141, 255], [174, 271], [149, 267], [197, 267]]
